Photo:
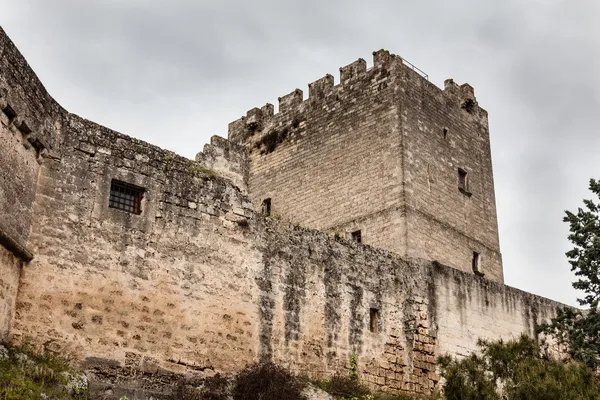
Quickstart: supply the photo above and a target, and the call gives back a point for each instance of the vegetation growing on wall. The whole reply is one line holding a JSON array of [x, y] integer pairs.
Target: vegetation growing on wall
[[26, 375], [272, 139], [516, 370]]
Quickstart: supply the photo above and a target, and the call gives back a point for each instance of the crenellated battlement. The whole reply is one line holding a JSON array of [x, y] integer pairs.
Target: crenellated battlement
[[388, 69], [369, 154]]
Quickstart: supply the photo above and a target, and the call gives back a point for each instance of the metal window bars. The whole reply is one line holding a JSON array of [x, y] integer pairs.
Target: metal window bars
[[126, 197]]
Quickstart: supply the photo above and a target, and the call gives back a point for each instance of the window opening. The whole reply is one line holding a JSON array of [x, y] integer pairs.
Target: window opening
[[357, 236], [374, 320], [126, 197], [10, 113], [266, 207], [445, 133], [462, 179], [476, 263]]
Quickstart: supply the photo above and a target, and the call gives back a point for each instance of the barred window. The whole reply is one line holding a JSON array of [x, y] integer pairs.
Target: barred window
[[126, 197]]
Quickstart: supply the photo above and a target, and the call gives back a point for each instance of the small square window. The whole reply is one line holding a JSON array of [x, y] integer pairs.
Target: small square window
[[266, 207], [357, 236], [374, 320], [476, 264], [126, 197]]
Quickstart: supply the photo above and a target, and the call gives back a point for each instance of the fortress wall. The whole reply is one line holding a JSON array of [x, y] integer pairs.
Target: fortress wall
[[468, 307], [18, 178], [445, 223], [198, 283], [10, 270], [28, 130], [317, 299], [315, 158], [172, 288]]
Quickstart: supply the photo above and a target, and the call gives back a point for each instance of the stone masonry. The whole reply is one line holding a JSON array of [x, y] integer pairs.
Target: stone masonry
[[381, 153], [142, 265]]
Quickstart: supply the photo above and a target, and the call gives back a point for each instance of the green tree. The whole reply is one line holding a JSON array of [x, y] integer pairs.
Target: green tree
[[578, 330], [515, 370]]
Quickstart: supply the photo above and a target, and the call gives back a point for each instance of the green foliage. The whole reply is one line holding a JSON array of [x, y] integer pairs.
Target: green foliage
[[26, 375], [579, 331], [195, 168], [353, 366], [585, 255], [515, 370], [267, 382]]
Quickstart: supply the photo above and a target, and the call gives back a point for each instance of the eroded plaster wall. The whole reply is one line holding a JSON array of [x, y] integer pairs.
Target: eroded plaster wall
[[468, 308]]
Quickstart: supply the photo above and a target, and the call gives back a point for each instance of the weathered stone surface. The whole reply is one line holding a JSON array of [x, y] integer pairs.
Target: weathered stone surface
[[10, 271], [380, 153], [196, 282]]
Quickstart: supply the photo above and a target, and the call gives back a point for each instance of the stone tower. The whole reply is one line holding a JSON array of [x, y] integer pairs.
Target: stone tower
[[386, 158]]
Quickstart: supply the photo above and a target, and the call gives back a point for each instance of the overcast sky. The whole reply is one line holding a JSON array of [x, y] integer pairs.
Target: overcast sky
[[176, 72]]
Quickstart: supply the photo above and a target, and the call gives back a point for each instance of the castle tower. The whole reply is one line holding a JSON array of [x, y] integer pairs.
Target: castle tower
[[386, 158]]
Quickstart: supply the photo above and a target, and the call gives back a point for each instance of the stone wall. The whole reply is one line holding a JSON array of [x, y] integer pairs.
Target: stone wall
[[468, 307], [380, 153], [444, 131], [198, 282], [333, 159], [29, 132], [28, 129], [10, 270], [171, 288]]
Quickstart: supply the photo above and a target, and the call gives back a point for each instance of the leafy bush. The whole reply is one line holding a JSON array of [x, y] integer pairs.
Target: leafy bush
[[516, 370], [267, 382]]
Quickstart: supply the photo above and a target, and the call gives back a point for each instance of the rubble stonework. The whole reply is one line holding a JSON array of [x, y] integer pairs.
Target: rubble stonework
[[197, 281]]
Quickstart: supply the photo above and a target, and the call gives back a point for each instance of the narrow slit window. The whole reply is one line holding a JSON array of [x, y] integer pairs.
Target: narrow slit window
[[126, 197], [462, 179], [266, 207], [374, 320], [445, 133], [357, 236], [476, 263]]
